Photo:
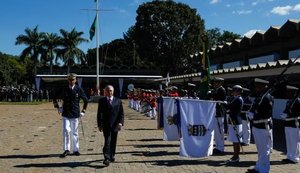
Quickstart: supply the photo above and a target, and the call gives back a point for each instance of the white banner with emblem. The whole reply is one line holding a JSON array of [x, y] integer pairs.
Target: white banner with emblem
[[170, 127], [196, 117]]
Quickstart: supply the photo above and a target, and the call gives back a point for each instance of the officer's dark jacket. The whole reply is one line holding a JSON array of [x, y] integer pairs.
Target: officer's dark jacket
[[292, 110], [220, 95], [246, 107], [262, 109], [235, 108], [71, 99]]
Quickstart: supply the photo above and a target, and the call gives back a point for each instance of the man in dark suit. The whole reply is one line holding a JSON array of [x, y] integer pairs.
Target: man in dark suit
[[110, 119]]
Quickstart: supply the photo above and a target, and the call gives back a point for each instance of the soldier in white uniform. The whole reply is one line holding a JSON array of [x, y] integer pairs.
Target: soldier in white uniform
[[235, 122], [219, 94], [261, 116], [70, 111], [245, 121], [291, 115]]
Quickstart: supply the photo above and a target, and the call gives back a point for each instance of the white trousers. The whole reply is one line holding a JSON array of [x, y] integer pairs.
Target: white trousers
[[246, 132], [233, 135], [263, 141], [70, 126], [219, 133], [292, 143], [153, 113]]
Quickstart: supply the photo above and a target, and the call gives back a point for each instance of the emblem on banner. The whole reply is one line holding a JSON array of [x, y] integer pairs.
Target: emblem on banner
[[196, 130], [171, 120]]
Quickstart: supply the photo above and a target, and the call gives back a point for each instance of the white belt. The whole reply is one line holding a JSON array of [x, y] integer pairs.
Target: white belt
[[261, 121], [293, 118]]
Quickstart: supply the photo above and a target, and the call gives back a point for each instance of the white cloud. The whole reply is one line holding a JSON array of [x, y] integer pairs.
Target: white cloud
[[260, 1], [254, 3], [297, 8], [228, 5], [285, 10], [214, 1], [251, 32], [241, 12]]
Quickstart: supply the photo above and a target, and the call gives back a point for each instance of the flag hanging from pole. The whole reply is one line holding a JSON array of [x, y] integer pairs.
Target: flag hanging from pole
[[93, 28], [205, 72], [170, 119], [197, 136], [168, 80]]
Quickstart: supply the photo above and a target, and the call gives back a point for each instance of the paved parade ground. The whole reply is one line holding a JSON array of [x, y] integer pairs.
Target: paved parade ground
[[31, 141]]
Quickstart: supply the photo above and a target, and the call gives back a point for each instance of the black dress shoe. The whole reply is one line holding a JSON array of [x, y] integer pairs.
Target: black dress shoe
[[252, 171], [288, 161], [112, 160], [106, 162], [64, 154], [76, 153], [217, 152]]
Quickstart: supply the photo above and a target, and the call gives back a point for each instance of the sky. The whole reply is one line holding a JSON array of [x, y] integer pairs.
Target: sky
[[116, 16]]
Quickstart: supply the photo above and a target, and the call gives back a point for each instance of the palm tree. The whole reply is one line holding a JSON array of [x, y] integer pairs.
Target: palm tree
[[32, 39], [50, 43], [69, 52]]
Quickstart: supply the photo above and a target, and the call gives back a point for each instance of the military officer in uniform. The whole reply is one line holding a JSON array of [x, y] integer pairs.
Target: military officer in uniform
[[70, 111], [235, 122], [245, 121], [291, 115], [219, 95], [261, 116]]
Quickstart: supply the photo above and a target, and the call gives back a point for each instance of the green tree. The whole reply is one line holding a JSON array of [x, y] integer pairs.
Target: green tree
[[32, 39], [70, 53], [50, 43], [228, 36], [167, 33], [216, 37], [12, 71], [132, 47]]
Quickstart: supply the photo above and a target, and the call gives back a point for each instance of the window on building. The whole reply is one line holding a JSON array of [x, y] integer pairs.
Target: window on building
[[213, 67], [294, 53], [261, 59], [232, 64]]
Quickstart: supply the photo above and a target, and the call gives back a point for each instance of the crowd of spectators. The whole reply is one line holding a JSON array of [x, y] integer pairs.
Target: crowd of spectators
[[23, 93]]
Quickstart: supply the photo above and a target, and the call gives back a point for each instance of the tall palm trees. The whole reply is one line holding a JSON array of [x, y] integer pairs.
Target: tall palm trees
[[32, 39], [43, 46], [69, 52], [50, 44]]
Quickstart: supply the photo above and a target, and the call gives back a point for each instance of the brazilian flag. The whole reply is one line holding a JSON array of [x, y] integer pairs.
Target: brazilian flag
[[93, 28], [205, 72]]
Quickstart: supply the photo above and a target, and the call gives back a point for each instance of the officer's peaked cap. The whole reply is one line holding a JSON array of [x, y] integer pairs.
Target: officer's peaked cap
[[261, 81], [237, 87], [218, 79], [289, 87], [246, 89]]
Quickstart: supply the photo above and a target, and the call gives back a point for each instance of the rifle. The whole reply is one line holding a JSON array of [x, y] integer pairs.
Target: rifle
[[278, 81], [236, 133]]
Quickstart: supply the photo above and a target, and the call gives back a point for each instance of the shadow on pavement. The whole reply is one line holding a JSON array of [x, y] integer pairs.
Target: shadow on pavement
[[66, 164]]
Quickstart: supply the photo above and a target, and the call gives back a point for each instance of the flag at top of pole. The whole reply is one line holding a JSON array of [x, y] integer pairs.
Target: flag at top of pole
[[93, 28], [205, 70]]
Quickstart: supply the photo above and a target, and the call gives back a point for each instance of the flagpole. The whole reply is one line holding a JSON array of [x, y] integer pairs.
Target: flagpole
[[97, 47]]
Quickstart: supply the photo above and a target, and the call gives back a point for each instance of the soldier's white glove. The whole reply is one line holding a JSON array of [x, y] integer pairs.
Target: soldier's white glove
[[82, 113], [283, 115], [250, 115], [60, 110]]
